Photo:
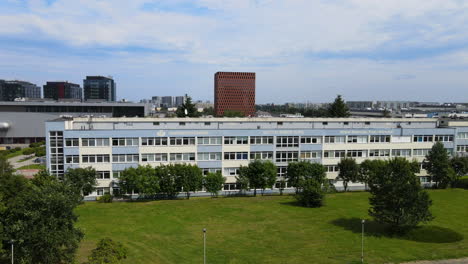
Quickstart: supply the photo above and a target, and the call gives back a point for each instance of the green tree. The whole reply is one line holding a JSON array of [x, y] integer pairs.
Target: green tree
[[40, 218], [188, 106], [297, 172], [281, 186], [260, 174], [208, 111], [191, 178], [108, 252], [311, 194], [338, 108], [459, 165], [437, 164], [367, 168], [129, 180], [348, 171], [83, 180], [233, 113], [397, 198], [214, 183], [168, 180]]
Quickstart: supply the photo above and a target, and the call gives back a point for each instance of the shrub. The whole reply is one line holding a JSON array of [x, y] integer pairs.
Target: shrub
[[107, 251], [461, 183], [106, 198], [15, 149], [312, 194], [40, 152], [28, 151]]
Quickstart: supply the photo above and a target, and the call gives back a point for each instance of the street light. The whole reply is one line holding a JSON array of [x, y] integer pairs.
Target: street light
[[204, 245], [12, 250], [362, 241]]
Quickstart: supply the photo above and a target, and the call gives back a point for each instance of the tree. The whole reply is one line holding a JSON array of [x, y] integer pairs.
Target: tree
[[281, 186], [107, 252], [208, 111], [311, 194], [338, 108], [40, 218], [367, 168], [129, 180], [397, 198], [192, 110], [233, 113], [168, 180], [214, 183], [191, 178], [297, 172], [459, 165], [260, 174], [348, 171], [437, 165], [83, 180]]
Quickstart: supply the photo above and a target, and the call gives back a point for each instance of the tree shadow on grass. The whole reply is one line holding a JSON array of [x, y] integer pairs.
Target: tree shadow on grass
[[425, 234]]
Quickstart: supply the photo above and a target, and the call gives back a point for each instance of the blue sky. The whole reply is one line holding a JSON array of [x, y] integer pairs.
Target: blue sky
[[301, 50]]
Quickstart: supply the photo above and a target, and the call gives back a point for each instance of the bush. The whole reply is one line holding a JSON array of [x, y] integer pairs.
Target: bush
[[40, 152], [15, 149], [107, 251], [106, 198], [461, 183], [28, 151], [311, 195]]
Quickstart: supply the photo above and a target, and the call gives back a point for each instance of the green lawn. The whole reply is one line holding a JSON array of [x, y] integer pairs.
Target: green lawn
[[32, 166], [271, 230]]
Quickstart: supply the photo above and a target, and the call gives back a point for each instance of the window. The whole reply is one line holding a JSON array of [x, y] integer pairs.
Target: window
[[356, 153], [182, 141], [287, 156], [357, 139], [182, 156], [102, 175], [261, 140], [236, 156], [231, 187], [207, 156], [121, 142], [236, 140], [95, 142], [443, 138], [116, 174], [311, 140], [462, 135], [181, 123], [72, 142], [205, 171], [152, 157], [401, 152], [379, 153], [207, 123], [125, 158], [332, 168], [420, 152], [95, 158], [324, 123], [423, 138], [380, 139], [209, 140], [334, 139], [333, 154], [231, 171], [279, 123], [261, 155], [287, 142], [307, 155], [72, 159], [462, 148], [282, 171], [155, 123], [154, 141]]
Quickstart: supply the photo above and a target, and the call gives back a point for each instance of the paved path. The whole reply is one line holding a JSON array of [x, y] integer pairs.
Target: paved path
[[16, 164], [447, 261]]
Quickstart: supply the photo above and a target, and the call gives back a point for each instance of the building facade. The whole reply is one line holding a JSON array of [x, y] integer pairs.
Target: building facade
[[110, 145], [168, 101], [11, 90], [234, 91], [99, 88], [62, 90]]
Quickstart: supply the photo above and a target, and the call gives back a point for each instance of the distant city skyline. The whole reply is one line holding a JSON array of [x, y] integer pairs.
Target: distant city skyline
[[409, 50]]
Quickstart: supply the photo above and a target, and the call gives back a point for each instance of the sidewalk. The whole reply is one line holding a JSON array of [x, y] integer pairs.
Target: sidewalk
[[446, 261]]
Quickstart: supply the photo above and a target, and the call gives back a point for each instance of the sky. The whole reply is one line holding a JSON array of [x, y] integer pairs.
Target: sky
[[301, 50]]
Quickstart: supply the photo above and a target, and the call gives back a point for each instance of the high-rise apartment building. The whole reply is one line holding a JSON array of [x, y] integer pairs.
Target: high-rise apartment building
[[62, 90], [11, 90], [234, 91], [99, 88]]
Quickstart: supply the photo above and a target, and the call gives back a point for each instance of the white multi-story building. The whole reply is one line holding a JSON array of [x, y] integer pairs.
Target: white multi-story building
[[110, 145]]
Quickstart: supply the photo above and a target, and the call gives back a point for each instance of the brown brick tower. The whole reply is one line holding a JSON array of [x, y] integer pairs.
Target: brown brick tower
[[234, 91]]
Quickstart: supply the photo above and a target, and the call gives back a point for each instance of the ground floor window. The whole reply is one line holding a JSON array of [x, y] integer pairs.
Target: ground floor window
[[231, 187]]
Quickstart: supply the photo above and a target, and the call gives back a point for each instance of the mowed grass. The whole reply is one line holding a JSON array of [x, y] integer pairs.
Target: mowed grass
[[271, 229]]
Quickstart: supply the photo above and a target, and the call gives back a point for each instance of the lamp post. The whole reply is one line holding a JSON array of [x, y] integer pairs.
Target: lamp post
[[362, 241], [12, 251], [204, 245]]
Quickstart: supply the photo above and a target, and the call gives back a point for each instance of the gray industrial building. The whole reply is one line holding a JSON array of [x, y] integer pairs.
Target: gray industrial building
[[24, 122]]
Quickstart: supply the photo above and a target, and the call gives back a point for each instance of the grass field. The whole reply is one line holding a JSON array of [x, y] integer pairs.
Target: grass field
[[271, 229], [32, 166]]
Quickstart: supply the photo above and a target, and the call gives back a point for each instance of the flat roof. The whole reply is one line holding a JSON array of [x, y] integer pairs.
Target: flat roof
[[68, 103], [251, 119]]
